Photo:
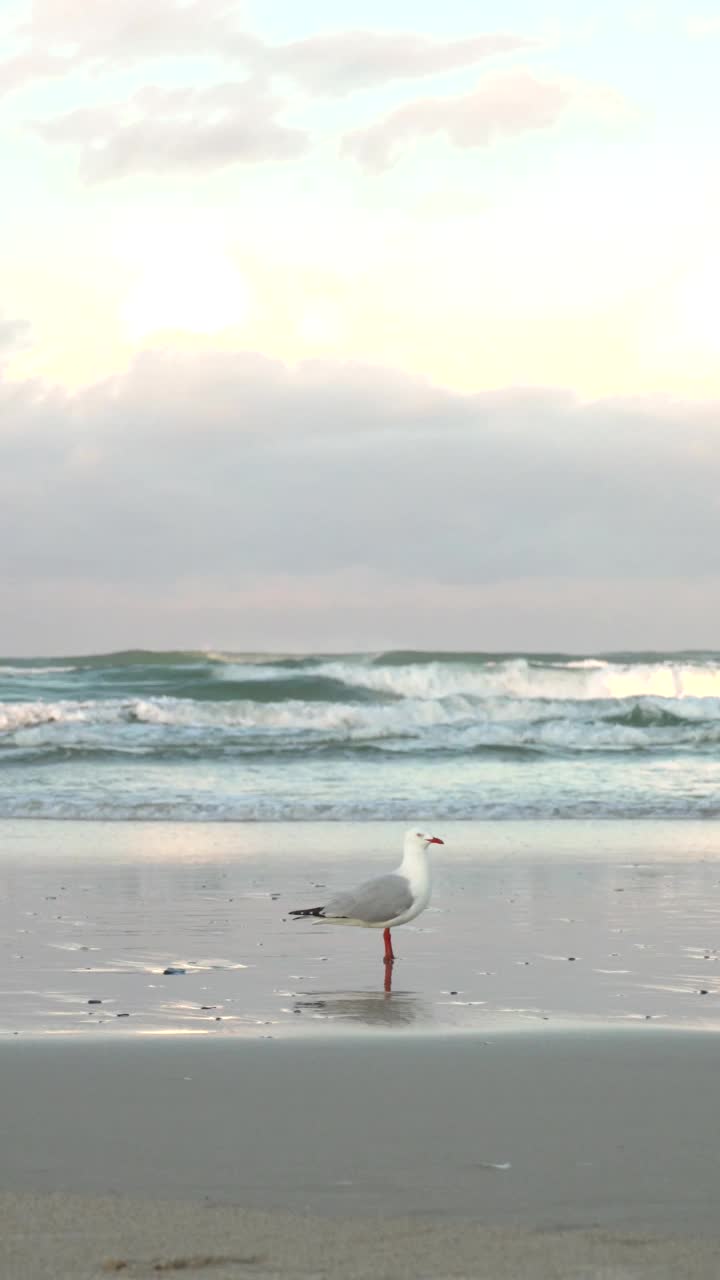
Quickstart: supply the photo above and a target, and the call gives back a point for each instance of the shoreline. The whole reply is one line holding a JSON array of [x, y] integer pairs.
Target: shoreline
[[605, 839]]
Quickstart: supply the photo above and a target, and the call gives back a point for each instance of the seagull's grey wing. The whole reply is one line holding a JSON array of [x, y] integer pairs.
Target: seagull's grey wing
[[374, 901]]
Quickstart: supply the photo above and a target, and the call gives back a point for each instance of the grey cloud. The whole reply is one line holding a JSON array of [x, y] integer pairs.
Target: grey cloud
[[344, 61], [502, 105], [220, 468], [177, 130]]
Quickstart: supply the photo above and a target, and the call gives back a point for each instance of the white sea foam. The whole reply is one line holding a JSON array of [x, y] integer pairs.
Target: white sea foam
[[458, 723], [22, 715], [300, 717], [519, 678]]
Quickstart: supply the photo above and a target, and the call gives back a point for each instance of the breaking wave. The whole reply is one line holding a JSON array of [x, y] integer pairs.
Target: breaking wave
[[454, 723], [293, 723]]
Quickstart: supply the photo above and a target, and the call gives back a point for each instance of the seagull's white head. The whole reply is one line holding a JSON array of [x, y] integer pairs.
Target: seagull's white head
[[420, 839]]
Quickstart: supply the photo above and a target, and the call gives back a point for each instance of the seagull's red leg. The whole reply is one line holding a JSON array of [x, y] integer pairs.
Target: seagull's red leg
[[389, 953]]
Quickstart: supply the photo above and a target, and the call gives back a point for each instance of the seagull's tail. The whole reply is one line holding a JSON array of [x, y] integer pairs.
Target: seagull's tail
[[307, 911]]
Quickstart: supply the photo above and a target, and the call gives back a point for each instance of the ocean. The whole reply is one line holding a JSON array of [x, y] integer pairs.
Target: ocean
[[200, 736]]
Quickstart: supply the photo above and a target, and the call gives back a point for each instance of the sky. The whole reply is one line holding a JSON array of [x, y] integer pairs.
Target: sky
[[345, 325]]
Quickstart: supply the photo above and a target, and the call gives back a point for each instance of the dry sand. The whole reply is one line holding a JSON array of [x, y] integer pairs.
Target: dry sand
[[61, 1237]]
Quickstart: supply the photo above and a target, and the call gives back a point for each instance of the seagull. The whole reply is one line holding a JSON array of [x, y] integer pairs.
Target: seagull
[[386, 901]]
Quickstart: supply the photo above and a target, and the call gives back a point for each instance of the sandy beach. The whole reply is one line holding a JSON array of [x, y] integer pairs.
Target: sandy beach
[[534, 1097], [518, 1155], [141, 1239], [359, 675]]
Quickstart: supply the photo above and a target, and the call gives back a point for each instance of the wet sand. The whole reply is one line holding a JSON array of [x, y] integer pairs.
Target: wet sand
[[555, 924], [521, 1154]]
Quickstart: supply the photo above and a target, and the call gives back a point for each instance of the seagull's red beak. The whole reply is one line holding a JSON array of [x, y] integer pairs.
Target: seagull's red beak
[[435, 840]]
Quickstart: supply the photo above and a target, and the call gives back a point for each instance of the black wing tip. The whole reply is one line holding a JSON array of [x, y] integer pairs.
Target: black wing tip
[[307, 911]]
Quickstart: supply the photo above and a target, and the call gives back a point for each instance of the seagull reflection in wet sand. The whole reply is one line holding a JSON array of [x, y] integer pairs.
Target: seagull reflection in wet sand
[[385, 1008]]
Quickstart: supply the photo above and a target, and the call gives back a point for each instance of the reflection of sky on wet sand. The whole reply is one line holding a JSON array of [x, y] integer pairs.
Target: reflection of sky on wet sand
[[513, 942]]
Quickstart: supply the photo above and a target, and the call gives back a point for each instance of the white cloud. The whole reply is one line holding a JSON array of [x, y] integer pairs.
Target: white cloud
[[503, 104], [342, 61], [62, 36], [113, 31], [22, 68], [177, 130]]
